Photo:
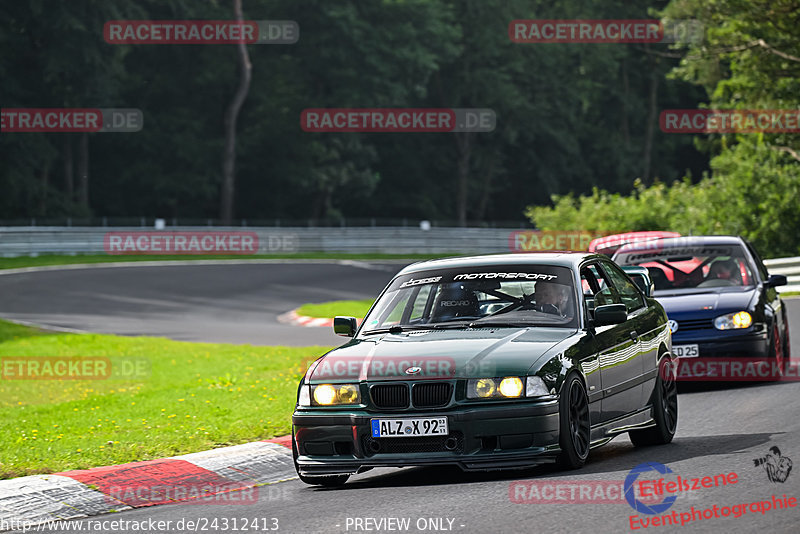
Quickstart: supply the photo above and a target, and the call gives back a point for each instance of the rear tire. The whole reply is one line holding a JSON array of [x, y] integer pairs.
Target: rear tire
[[665, 409], [331, 481], [574, 429]]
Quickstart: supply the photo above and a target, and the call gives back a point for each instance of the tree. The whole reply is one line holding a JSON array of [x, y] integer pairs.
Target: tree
[[231, 114]]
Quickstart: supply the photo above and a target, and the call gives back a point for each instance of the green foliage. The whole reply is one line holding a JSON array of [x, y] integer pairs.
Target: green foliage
[[328, 310], [753, 193], [569, 116], [749, 59]]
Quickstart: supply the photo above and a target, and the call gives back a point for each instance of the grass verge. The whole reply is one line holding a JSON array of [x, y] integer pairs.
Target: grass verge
[[56, 259], [328, 310], [184, 397]]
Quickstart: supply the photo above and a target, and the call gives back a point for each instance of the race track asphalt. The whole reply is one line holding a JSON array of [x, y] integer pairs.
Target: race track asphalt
[[233, 303], [722, 428]]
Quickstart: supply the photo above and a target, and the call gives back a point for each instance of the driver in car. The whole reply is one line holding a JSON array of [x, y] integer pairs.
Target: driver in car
[[725, 270], [552, 298]]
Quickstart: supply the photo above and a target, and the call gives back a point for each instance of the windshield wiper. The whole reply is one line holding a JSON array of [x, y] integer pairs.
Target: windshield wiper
[[398, 329], [511, 324]]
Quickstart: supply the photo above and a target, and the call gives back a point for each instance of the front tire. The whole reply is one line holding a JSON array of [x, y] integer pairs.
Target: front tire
[[776, 354], [331, 481], [665, 408], [574, 431]]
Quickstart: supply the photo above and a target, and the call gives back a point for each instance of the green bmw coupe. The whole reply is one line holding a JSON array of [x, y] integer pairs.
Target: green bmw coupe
[[489, 362]]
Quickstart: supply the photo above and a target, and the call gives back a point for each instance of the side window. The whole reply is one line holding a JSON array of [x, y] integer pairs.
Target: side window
[[606, 293], [629, 294], [589, 283], [596, 291], [762, 269]]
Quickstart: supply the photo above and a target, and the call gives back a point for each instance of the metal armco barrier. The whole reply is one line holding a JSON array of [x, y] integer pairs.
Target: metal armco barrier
[[26, 241]]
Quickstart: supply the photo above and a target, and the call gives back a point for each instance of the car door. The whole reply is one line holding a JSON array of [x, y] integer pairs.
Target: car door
[[770, 295], [646, 321], [618, 351], [589, 349]]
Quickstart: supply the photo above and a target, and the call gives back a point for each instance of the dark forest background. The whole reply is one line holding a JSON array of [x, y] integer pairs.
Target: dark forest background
[[571, 118]]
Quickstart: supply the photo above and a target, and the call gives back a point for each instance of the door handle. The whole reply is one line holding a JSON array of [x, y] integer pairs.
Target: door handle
[[634, 335]]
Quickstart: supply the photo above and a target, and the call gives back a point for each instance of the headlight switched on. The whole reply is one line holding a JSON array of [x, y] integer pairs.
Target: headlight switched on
[[509, 387], [733, 321], [334, 394]]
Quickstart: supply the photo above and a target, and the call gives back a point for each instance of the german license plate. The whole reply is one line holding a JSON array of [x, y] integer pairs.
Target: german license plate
[[409, 428], [686, 351]]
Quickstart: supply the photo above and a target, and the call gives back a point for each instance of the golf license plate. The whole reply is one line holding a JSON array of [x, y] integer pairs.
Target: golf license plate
[[686, 351], [409, 428]]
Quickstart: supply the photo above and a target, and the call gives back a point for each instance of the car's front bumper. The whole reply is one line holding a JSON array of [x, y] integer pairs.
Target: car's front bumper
[[480, 438], [726, 345]]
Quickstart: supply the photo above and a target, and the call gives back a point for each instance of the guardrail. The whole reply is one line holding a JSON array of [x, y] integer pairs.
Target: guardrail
[[31, 241], [790, 267], [26, 241]]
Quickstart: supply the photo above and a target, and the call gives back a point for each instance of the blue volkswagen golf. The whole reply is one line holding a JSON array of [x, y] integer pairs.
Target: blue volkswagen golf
[[719, 297]]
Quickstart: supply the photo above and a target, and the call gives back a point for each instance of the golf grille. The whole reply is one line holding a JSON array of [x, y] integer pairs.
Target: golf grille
[[694, 324]]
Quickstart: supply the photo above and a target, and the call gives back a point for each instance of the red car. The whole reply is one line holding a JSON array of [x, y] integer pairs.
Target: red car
[[609, 244]]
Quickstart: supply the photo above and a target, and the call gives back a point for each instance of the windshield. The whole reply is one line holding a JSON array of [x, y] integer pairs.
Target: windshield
[[529, 295], [698, 267]]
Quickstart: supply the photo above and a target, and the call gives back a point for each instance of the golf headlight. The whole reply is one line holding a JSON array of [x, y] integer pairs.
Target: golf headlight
[[732, 321], [495, 388], [333, 394]]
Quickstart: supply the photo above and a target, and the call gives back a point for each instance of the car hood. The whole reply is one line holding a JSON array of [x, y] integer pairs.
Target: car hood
[[430, 354], [710, 303]]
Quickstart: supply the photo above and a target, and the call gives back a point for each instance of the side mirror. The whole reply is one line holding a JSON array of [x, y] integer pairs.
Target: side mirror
[[610, 314], [776, 280], [345, 326]]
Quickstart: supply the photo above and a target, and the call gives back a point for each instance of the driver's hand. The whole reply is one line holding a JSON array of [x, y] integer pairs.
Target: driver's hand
[[549, 308]]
